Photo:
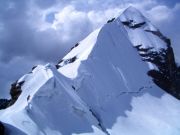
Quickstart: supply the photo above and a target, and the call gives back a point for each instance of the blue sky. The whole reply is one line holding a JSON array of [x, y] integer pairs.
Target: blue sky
[[40, 31]]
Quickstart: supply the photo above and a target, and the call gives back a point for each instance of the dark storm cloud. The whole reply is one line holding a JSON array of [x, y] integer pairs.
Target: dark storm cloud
[[21, 38], [170, 3], [45, 3], [21, 44], [12, 17]]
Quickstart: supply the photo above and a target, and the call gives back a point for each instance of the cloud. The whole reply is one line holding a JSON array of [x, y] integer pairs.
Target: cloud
[[70, 23], [160, 13], [45, 3], [40, 31]]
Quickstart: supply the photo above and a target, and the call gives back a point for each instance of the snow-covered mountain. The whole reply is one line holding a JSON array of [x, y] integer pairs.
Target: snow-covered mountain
[[104, 86]]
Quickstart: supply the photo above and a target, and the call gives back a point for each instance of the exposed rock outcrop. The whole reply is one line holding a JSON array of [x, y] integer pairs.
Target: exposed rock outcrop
[[132, 24], [111, 20], [61, 63], [4, 103], [167, 74], [15, 92], [2, 129]]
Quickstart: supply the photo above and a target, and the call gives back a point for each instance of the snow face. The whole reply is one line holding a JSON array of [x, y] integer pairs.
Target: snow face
[[140, 36], [159, 116], [113, 83], [82, 52], [101, 88]]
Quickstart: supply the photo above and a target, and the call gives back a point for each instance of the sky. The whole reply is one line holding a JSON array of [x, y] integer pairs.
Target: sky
[[43, 31]]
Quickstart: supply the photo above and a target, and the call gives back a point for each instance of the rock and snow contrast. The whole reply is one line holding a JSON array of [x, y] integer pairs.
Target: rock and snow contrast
[[110, 83]]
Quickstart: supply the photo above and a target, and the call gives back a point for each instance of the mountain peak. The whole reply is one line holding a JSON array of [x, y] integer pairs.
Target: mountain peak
[[101, 81], [132, 14], [132, 9]]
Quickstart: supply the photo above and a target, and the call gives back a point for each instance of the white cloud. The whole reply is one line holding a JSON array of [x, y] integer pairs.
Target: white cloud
[[160, 13], [70, 23]]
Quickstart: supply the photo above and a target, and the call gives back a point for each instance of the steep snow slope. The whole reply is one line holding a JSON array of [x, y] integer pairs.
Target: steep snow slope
[[48, 109], [155, 49], [100, 88], [137, 27]]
